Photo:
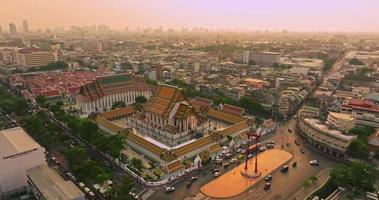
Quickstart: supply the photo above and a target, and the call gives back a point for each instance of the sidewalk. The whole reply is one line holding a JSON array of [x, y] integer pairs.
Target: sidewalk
[[322, 178]]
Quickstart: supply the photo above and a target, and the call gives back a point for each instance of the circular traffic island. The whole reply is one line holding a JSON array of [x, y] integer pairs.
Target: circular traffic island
[[239, 179]]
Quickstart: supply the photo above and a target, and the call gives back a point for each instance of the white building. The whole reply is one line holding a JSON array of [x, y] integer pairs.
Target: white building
[[101, 93], [47, 184], [18, 152]]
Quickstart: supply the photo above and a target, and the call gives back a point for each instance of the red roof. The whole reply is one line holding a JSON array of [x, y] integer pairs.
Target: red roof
[[233, 109], [363, 104], [201, 101], [50, 93]]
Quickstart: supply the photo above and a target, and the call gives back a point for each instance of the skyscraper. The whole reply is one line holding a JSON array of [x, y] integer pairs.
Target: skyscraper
[[25, 26], [12, 29]]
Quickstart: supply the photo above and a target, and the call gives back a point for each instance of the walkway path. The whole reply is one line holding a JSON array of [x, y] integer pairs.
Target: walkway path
[[323, 176]]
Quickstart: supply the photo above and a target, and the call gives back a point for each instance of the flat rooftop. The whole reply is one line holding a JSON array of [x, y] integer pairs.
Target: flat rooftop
[[15, 141], [51, 185]]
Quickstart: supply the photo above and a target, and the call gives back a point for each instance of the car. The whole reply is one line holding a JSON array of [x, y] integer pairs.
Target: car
[[226, 165], [302, 151], [218, 161], [216, 174], [189, 184], [268, 178], [269, 145], [215, 170], [284, 169], [290, 130], [262, 149], [250, 156], [233, 160], [194, 178], [297, 142], [228, 155], [240, 157], [169, 189], [314, 162], [267, 186], [239, 150]]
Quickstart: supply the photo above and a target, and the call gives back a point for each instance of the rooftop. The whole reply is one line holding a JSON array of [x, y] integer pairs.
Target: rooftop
[[51, 184], [14, 141], [341, 116], [317, 124]]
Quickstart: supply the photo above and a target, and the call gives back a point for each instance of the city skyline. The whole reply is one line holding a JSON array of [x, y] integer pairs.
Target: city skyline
[[273, 15]]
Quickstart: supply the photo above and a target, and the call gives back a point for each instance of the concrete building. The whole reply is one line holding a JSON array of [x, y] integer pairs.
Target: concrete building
[[18, 152], [46, 184], [34, 57], [323, 137], [261, 58], [365, 111], [102, 92], [340, 121]]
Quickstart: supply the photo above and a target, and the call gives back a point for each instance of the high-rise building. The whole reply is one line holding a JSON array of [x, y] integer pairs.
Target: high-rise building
[[12, 29], [25, 26]]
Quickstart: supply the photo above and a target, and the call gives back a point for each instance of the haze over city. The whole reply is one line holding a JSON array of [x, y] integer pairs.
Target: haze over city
[[294, 15], [189, 99]]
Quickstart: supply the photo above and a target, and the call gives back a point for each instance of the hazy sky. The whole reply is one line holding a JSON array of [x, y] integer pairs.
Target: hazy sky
[[300, 15]]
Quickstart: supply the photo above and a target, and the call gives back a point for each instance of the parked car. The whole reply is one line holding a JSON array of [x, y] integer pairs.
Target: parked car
[[297, 142], [262, 149], [290, 130], [169, 189], [284, 169], [314, 162], [268, 178], [302, 151], [233, 160], [189, 184], [194, 178], [267, 186], [226, 165], [216, 174]]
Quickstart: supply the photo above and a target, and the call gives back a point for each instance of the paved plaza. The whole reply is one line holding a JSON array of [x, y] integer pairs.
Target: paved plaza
[[232, 183]]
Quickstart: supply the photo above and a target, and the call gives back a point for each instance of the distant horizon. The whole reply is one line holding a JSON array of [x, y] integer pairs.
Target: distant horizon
[[344, 16]]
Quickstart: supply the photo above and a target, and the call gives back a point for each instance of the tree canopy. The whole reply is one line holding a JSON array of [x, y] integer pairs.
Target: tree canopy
[[118, 104], [357, 175], [355, 61]]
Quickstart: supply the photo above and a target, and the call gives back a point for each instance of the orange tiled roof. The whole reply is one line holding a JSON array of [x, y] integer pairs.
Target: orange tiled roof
[[225, 115], [164, 98], [174, 166], [118, 112]]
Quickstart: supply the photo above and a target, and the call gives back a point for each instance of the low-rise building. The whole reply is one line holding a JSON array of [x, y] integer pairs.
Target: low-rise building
[[34, 57], [102, 92], [323, 137], [341, 121], [366, 112], [46, 184]]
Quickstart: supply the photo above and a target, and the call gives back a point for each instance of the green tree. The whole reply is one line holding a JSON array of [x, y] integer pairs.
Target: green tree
[[306, 184], [141, 99], [136, 163], [118, 104], [357, 175], [358, 149], [41, 100], [355, 61], [88, 129]]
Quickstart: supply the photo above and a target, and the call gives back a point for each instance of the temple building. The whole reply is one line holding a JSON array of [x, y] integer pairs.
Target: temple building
[[169, 116], [100, 93]]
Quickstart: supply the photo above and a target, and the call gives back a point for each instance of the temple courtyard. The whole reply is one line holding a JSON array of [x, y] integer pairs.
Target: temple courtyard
[[233, 183]]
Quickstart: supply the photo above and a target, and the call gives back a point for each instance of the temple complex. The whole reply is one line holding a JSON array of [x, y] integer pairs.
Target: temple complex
[[100, 93], [168, 116]]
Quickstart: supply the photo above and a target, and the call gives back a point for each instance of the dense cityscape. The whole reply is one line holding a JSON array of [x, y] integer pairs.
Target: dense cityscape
[[161, 113]]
